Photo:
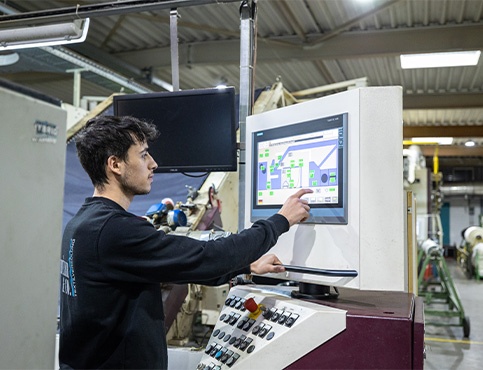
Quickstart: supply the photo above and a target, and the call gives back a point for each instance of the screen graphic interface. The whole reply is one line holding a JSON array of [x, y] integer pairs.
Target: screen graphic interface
[[304, 155]]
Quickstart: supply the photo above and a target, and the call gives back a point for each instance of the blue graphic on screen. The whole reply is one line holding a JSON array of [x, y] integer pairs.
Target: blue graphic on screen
[[303, 155]]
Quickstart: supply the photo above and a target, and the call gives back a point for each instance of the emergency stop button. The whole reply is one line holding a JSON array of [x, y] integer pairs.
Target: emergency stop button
[[251, 305]]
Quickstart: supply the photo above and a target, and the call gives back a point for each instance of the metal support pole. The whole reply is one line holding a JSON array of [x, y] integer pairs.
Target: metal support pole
[[247, 58], [77, 85], [173, 27]]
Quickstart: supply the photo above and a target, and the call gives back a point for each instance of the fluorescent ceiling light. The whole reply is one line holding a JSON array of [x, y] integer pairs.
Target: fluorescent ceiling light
[[45, 35], [433, 140], [436, 60], [8, 59]]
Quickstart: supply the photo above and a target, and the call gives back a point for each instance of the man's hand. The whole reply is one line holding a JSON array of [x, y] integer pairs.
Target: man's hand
[[267, 263], [294, 209]]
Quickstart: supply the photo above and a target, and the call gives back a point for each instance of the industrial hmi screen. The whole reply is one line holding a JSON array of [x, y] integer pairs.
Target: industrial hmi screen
[[310, 154], [197, 128]]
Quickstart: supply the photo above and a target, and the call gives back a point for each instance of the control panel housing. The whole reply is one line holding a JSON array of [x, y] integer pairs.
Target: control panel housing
[[279, 331]]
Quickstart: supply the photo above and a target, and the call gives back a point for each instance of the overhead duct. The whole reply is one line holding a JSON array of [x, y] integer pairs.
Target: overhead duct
[[462, 189]]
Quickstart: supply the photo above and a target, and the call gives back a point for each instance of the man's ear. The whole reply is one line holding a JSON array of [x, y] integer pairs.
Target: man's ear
[[114, 164]]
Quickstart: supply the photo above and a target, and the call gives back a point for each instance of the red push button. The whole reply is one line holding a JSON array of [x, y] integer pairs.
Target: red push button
[[251, 305]]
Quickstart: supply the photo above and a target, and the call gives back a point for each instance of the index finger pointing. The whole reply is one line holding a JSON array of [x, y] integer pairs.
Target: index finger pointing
[[302, 192]]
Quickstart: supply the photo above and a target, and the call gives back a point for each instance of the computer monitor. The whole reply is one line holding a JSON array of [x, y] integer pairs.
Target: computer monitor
[[310, 154], [197, 128]]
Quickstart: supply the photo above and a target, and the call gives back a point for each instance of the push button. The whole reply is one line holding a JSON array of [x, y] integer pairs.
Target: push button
[[248, 324], [242, 323], [264, 331], [234, 319], [234, 301], [291, 320], [232, 359], [251, 305], [208, 348], [246, 343], [282, 318], [275, 316], [226, 356]]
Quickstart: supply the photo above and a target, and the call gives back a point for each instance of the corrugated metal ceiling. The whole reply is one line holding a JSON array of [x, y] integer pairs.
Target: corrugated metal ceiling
[[304, 43]]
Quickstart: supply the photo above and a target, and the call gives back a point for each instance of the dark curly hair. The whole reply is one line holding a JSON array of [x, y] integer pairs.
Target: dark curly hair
[[105, 136]]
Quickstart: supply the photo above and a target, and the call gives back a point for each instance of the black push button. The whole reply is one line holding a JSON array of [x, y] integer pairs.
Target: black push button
[[291, 320], [208, 348]]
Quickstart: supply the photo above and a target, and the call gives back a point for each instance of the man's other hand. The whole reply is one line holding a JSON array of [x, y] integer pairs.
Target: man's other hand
[[267, 263]]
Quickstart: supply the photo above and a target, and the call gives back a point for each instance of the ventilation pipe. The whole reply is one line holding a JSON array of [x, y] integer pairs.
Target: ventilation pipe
[[462, 189]]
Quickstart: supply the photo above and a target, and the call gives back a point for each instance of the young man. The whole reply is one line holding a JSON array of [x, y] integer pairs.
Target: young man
[[113, 261]]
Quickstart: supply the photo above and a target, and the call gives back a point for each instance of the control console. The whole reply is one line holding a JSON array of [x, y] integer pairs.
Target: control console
[[264, 328]]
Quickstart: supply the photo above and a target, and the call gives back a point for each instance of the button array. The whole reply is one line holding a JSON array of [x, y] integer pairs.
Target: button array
[[225, 342]]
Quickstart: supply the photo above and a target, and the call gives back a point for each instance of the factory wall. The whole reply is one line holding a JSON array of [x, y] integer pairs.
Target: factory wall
[[462, 213]]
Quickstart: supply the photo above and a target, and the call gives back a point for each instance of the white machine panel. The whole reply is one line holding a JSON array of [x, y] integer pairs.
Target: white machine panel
[[373, 240], [284, 330], [32, 159]]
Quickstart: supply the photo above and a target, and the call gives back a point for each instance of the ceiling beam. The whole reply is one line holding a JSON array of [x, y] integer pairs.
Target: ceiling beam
[[452, 151], [96, 10], [347, 45], [443, 101], [442, 131]]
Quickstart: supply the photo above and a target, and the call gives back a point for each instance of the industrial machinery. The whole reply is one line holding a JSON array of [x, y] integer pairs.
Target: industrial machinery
[[257, 322], [262, 327], [469, 253], [320, 144], [287, 325], [443, 306], [437, 288]]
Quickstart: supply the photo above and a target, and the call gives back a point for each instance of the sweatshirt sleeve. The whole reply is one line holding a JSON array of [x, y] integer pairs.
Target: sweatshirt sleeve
[[130, 249]]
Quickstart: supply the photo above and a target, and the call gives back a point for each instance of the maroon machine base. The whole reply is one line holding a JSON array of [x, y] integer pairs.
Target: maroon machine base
[[384, 330]]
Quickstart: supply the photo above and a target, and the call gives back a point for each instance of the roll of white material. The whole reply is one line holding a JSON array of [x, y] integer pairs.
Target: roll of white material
[[477, 257], [430, 247], [474, 235]]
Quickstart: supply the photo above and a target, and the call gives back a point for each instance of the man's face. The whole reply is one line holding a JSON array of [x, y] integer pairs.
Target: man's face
[[137, 174]]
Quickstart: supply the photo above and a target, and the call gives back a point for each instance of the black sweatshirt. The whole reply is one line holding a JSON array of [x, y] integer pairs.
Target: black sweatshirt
[[111, 265]]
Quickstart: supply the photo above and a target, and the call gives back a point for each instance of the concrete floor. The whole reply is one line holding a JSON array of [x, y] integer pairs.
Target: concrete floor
[[446, 348]]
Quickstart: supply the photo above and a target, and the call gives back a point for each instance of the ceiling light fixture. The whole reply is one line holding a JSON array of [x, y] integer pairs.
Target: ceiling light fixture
[[437, 60], [433, 140], [45, 35], [470, 143], [8, 58]]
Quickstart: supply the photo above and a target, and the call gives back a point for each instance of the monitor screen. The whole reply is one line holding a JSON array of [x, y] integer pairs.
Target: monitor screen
[[197, 128], [310, 154]]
